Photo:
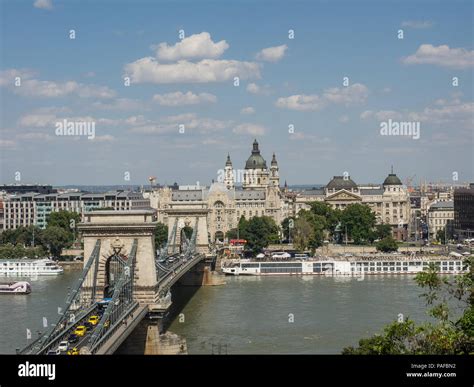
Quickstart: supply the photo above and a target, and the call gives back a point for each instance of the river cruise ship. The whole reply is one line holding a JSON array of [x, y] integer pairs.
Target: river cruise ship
[[29, 267], [355, 266]]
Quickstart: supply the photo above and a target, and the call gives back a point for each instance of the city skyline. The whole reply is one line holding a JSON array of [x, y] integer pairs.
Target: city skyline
[[182, 112]]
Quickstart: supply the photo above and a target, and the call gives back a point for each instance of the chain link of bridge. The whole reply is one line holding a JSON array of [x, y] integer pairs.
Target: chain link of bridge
[[122, 282]]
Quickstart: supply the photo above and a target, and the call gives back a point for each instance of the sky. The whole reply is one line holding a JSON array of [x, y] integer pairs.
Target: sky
[[168, 89]]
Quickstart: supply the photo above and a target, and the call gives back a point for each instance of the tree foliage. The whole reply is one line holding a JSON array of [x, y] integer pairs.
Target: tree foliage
[[387, 245], [161, 235], [359, 220]]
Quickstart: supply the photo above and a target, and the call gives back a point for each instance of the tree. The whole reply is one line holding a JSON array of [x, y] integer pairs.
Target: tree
[[383, 231], [327, 214], [304, 232], [56, 238], [449, 335], [440, 236], [161, 235], [387, 245], [65, 220], [359, 221], [288, 232], [259, 232]]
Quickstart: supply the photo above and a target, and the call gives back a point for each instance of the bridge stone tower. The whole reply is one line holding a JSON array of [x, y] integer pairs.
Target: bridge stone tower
[[187, 217], [117, 231]]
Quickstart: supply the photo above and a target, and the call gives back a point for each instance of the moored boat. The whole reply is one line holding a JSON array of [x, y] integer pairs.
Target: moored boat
[[345, 267], [29, 267], [21, 287]]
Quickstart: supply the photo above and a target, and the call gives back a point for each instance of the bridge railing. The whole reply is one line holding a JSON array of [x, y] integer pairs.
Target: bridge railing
[[116, 326]]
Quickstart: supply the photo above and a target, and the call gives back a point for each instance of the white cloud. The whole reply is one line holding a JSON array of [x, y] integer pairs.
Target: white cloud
[[444, 56], [149, 70], [418, 24], [382, 115], [104, 138], [35, 136], [248, 128], [247, 110], [452, 114], [253, 88], [181, 99], [344, 119], [193, 47], [272, 54], [121, 104], [7, 143], [8, 77], [43, 4], [190, 121], [351, 95]]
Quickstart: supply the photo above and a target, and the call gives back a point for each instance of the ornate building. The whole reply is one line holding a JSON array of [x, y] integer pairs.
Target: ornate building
[[260, 194], [389, 201]]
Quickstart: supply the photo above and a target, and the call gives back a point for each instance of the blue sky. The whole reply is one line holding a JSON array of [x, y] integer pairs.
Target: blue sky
[[190, 82]]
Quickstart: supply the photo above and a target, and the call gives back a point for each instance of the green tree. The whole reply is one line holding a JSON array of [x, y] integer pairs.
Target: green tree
[[56, 238], [440, 234], [259, 232], [329, 216], [383, 231], [66, 220], [448, 335], [359, 221], [387, 245], [161, 235], [288, 232], [303, 233]]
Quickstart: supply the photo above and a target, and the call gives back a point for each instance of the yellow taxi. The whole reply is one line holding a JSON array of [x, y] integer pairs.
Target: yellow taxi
[[80, 330], [94, 320], [73, 351]]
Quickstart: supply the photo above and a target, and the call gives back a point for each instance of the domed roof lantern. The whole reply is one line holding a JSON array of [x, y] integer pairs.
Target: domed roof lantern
[[255, 161], [228, 163], [274, 160]]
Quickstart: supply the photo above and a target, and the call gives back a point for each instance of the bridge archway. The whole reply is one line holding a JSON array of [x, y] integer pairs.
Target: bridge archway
[[117, 231], [185, 217], [114, 267]]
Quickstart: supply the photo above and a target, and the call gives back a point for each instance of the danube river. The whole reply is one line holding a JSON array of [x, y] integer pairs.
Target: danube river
[[254, 315]]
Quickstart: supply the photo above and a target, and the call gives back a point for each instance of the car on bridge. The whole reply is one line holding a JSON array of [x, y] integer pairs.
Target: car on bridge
[[54, 352], [63, 346], [94, 320], [80, 330], [73, 351], [73, 338]]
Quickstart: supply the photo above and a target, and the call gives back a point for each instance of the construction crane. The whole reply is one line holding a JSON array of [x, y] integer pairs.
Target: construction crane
[[152, 180], [408, 183]]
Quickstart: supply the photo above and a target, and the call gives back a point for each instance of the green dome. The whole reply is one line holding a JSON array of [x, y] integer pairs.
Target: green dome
[[392, 179], [341, 182], [255, 161]]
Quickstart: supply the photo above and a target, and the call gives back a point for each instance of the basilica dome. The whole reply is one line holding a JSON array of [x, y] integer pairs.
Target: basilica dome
[[256, 161]]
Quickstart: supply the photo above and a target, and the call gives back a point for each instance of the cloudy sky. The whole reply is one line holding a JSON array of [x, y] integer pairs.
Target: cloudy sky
[[172, 87]]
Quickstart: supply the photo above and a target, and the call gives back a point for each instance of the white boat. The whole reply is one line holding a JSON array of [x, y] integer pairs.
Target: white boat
[[337, 267], [21, 287], [29, 267]]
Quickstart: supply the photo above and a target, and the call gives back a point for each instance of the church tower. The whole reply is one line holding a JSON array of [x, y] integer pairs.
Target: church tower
[[274, 173], [228, 174]]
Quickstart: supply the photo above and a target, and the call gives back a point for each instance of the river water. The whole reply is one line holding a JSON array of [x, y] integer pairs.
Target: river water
[[249, 315]]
